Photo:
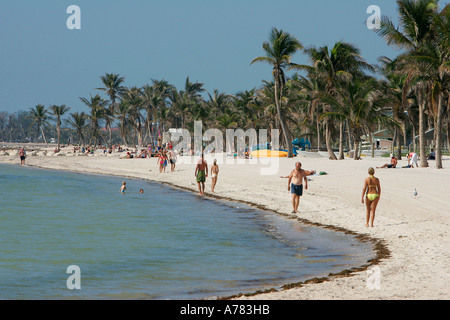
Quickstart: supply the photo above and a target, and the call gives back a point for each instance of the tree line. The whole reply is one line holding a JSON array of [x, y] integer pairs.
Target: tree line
[[334, 101]]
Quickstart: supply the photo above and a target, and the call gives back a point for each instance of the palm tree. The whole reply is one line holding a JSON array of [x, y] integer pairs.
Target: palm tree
[[396, 90], [182, 105], [78, 122], [113, 89], [133, 97], [108, 116], [97, 105], [245, 102], [58, 112], [416, 19], [217, 103], [353, 100], [122, 115], [112, 86], [266, 96], [332, 66], [434, 61], [39, 116], [155, 97], [193, 90], [279, 51], [312, 88], [152, 100]]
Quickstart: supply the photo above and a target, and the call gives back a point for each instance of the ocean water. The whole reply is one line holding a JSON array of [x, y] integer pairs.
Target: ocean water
[[162, 244]]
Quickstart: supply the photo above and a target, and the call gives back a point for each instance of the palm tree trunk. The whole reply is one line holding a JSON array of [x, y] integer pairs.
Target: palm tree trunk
[[318, 130], [438, 130], [58, 132], [422, 151], [448, 121], [399, 144], [356, 150], [282, 124], [371, 144], [405, 143], [123, 132], [331, 154], [341, 139], [394, 139], [414, 137], [43, 135], [349, 135]]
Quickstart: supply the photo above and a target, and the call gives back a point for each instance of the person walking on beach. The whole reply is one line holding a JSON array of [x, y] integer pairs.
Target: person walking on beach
[[371, 194], [162, 160], [172, 159], [22, 155], [201, 172], [295, 184], [214, 174]]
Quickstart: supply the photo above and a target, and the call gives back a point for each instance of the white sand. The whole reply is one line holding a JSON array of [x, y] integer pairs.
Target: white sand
[[414, 229]]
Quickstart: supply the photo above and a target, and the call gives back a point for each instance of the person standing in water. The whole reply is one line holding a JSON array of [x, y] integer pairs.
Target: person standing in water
[[124, 187], [214, 174], [201, 172], [371, 194]]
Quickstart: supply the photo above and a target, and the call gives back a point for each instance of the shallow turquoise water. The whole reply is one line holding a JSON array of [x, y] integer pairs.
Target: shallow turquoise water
[[162, 244]]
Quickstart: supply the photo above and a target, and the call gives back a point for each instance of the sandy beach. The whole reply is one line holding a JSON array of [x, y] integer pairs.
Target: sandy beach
[[414, 230]]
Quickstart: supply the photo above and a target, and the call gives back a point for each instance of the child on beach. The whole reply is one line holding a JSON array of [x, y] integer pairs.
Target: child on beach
[[124, 187]]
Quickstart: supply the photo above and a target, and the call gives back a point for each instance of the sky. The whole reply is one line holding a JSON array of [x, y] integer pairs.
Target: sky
[[42, 61]]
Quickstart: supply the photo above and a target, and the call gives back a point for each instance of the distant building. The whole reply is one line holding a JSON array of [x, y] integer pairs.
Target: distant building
[[429, 138], [381, 139]]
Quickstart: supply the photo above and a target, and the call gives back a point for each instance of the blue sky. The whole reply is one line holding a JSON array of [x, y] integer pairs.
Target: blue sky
[[212, 42]]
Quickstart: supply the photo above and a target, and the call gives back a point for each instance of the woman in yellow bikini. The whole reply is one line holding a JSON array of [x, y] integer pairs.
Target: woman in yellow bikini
[[371, 193]]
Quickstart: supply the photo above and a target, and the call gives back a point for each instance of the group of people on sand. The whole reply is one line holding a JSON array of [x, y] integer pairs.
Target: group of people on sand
[[412, 158], [201, 173], [167, 156], [370, 195]]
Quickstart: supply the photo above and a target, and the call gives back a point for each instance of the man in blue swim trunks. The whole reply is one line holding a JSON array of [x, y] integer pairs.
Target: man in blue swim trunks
[[295, 184]]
